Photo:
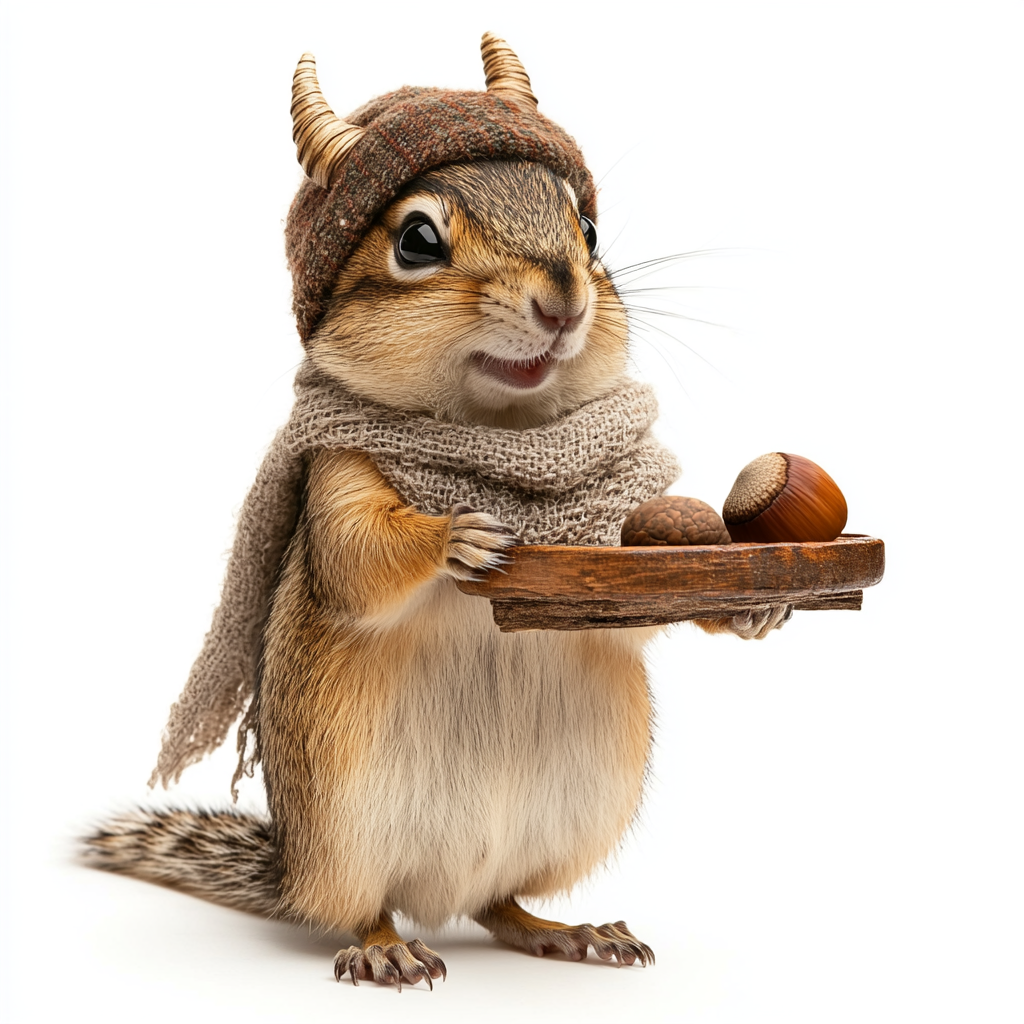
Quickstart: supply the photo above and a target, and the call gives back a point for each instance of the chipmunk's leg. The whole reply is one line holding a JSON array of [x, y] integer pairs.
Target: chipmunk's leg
[[507, 921], [387, 959]]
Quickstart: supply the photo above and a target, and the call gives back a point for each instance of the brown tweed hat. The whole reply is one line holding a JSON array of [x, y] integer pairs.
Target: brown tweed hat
[[356, 167]]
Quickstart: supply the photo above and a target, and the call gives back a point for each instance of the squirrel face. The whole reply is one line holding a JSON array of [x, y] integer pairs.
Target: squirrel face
[[477, 297]]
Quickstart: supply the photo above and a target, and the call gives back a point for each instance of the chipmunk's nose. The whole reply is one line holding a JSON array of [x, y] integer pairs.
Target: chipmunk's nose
[[559, 313]]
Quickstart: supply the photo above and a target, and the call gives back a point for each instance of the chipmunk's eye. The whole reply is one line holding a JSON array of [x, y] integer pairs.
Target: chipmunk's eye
[[589, 233], [418, 243]]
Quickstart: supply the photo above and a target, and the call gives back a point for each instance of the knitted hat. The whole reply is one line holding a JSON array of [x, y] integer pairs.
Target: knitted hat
[[355, 168]]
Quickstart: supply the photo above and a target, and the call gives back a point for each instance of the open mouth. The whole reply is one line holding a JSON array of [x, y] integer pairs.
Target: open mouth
[[526, 373]]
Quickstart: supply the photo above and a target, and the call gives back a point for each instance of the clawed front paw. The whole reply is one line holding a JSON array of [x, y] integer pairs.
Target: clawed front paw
[[757, 623], [391, 964], [477, 543], [754, 624]]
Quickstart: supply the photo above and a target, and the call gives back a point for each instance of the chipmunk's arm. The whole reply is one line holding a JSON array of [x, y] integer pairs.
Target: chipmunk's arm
[[367, 551]]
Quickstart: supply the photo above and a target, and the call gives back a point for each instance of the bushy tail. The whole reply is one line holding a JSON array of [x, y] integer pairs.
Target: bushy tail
[[221, 856]]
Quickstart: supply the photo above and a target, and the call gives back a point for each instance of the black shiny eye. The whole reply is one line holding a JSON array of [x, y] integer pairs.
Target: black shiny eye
[[589, 233], [418, 243]]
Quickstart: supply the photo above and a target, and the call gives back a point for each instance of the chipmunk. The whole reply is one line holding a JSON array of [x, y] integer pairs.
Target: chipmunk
[[416, 759]]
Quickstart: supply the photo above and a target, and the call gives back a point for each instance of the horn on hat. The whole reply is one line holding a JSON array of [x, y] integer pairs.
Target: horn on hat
[[504, 70], [322, 138]]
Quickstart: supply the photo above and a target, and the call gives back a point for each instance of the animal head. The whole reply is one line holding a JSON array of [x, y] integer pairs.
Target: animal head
[[443, 250]]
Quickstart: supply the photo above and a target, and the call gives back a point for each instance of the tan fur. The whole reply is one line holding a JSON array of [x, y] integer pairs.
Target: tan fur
[[501, 763]]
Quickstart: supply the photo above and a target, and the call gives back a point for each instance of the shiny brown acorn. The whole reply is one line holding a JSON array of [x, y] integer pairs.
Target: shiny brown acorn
[[670, 520], [781, 497]]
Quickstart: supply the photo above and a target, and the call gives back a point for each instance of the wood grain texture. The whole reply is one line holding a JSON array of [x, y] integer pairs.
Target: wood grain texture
[[556, 587]]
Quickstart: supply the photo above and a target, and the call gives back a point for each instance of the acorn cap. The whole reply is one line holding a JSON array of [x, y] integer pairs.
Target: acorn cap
[[780, 497]]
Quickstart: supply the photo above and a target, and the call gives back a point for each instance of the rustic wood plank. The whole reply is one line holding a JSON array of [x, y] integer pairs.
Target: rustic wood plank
[[852, 601], [558, 587], [775, 571], [517, 615]]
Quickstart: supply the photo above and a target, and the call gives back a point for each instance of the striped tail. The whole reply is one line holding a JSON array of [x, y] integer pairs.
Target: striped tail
[[220, 856]]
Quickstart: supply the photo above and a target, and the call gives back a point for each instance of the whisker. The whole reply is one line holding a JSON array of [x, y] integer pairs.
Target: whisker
[[616, 164], [675, 316], [676, 288], [290, 371], [679, 256], [603, 254], [678, 341], [661, 355]]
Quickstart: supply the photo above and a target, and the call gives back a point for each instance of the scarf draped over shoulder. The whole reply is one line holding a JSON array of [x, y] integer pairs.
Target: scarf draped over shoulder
[[571, 481]]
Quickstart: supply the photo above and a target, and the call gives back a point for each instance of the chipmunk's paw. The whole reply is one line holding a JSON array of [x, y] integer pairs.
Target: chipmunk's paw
[[754, 624], [509, 922], [392, 964], [477, 543], [757, 623], [609, 940]]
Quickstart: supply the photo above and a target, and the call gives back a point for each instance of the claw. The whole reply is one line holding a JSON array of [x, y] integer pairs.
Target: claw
[[511, 923], [347, 960], [477, 542], [431, 961], [390, 965]]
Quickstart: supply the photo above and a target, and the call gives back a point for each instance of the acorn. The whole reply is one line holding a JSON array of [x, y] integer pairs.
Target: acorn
[[781, 497], [671, 520]]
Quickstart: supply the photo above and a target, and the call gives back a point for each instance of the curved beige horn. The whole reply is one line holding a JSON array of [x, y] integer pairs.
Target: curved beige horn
[[323, 139], [504, 71]]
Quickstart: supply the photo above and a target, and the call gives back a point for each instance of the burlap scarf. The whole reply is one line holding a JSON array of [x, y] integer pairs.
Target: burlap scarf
[[569, 482]]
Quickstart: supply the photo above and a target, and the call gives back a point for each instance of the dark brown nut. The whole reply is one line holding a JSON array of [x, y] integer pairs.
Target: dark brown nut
[[780, 498], [671, 520]]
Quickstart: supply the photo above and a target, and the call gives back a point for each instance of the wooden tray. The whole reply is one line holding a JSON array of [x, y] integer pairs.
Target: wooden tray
[[561, 587]]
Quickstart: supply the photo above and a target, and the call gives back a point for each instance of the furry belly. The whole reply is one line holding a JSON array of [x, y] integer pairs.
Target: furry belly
[[507, 764]]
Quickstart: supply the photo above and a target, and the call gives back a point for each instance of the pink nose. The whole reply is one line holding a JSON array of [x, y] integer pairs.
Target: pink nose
[[557, 315]]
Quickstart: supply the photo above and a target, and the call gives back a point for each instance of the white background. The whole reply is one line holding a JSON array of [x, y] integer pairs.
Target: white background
[[833, 829]]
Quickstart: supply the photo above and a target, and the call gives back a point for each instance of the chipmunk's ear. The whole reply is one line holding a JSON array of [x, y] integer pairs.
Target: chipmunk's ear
[[505, 72], [323, 139]]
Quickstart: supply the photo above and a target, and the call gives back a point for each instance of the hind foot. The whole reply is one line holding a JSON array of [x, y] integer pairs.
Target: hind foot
[[386, 959], [510, 923]]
